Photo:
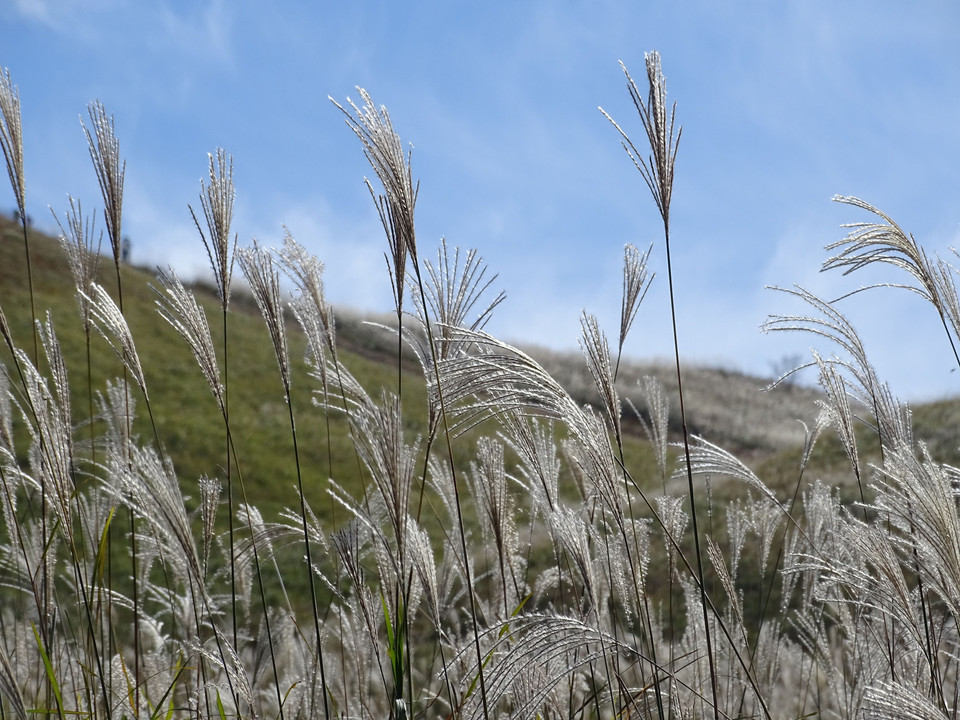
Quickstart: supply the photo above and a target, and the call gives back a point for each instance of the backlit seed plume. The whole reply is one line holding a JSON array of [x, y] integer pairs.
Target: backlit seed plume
[[216, 199], [886, 242], [258, 267], [596, 352], [180, 308], [451, 296], [384, 151], [636, 282], [105, 154], [83, 255], [882, 242], [655, 428], [210, 490], [306, 271], [11, 137], [110, 322], [662, 134]]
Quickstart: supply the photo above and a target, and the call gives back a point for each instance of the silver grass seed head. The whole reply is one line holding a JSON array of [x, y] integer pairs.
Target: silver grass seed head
[[216, 199], [110, 170], [452, 293], [764, 519], [572, 535], [306, 272], [117, 406], [663, 135], [882, 242], [836, 410], [112, 325], [210, 489], [657, 428], [180, 308], [57, 366], [258, 266], [535, 444], [52, 451], [225, 658], [83, 256], [660, 133], [715, 554], [673, 520], [151, 488], [736, 532], [424, 562], [317, 351], [11, 138], [6, 417], [385, 152], [887, 700], [596, 351], [636, 282]]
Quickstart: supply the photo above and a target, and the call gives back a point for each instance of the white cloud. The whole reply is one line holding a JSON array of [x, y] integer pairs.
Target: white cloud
[[77, 18], [198, 30]]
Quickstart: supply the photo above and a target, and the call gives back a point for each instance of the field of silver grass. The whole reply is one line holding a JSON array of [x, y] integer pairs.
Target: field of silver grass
[[543, 579]]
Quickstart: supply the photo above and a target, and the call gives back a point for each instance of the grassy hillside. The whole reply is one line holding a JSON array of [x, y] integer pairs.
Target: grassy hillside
[[729, 408], [188, 421], [726, 407]]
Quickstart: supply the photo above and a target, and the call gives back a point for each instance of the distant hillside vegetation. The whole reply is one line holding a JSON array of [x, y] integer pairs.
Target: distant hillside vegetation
[[726, 407]]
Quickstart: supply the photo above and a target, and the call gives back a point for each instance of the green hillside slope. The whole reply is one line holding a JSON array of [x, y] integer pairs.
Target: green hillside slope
[[188, 421]]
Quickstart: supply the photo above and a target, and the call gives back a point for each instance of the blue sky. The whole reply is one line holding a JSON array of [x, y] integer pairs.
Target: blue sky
[[783, 105]]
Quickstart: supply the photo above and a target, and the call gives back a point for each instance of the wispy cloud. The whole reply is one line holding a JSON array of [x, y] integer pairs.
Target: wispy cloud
[[199, 30], [76, 18]]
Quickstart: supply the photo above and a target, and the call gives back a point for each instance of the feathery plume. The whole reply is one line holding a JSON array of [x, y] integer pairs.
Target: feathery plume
[[312, 310], [534, 443], [260, 271], [894, 701], [656, 427], [110, 169], [216, 199], [831, 324], [111, 323], [210, 489], [596, 350], [657, 167], [384, 151], [636, 282], [452, 293], [83, 256], [180, 308], [882, 242], [11, 137], [886, 242]]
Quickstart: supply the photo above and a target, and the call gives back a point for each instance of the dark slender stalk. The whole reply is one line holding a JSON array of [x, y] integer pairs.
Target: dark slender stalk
[[256, 559], [33, 308], [306, 542], [229, 473], [691, 493]]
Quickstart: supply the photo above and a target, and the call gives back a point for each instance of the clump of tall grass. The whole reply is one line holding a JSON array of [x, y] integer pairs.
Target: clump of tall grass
[[543, 577]]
